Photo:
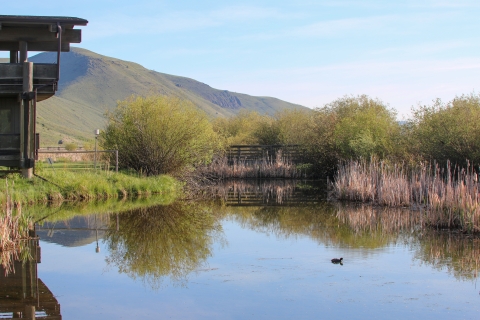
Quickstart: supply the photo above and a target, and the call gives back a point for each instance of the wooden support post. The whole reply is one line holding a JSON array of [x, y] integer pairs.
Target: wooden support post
[[13, 56], [23, 46], [29, 312], [26, 120]]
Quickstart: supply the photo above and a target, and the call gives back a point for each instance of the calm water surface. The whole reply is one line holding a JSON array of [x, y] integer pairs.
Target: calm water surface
[[264, 254]]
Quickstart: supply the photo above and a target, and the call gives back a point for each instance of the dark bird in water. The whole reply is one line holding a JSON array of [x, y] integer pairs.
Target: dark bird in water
[[336, 261]]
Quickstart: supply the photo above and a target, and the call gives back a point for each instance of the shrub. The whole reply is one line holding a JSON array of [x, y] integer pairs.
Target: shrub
[[349, 128], [448, 131], [247, 127], [71, 146], [159, 135]]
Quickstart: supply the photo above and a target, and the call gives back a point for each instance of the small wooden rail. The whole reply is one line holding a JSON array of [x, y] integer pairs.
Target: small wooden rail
[[76, 164]]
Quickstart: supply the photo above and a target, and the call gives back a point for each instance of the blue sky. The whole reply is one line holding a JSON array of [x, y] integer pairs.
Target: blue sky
[[307, 52]]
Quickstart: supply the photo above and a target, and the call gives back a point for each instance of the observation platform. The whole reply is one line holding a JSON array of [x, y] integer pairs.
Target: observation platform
[[23, 83], [20, 34]]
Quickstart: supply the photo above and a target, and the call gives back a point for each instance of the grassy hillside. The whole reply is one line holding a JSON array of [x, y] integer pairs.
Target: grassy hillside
[[91, 84]]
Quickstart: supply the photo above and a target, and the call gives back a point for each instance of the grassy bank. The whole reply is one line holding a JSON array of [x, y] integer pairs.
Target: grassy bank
[[65, 185], [450, 196]]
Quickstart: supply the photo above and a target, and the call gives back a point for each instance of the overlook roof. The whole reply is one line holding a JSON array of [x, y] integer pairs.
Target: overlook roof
[[29, 21], [39, 32]]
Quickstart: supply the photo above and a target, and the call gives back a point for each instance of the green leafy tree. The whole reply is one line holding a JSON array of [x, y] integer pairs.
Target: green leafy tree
[[159, 135], [364, 127], [247, 127], [447, 131], [294, 126], [351, 127]]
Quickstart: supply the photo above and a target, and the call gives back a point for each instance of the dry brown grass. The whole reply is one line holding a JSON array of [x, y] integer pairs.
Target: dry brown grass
[[450, 195], [265, 168], [13, 234]]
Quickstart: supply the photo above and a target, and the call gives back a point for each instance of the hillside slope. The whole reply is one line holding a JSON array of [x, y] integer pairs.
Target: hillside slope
[[90, 84]]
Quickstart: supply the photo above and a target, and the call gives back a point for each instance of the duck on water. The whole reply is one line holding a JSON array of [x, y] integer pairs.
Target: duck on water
[[337, 261]]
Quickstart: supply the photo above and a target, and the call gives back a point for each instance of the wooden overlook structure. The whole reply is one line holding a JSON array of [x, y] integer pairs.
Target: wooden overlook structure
[[23, 84]]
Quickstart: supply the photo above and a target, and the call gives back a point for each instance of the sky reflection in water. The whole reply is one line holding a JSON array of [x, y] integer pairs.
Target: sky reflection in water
[[264, 263]]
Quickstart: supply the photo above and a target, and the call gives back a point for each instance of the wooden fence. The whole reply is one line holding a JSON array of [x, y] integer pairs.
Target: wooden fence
[[78, 160]]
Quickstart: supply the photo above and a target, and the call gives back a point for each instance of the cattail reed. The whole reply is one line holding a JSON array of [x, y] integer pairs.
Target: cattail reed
[[262, 168], [449, 196], [13, 233]]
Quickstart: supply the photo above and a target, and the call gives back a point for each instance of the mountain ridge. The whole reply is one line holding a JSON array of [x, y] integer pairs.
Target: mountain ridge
[[91, 84]]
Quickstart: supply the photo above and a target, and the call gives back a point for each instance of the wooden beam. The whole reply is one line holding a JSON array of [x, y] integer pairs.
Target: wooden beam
[[44, 71], [11, 71], [35, 46], [23, 46], [39, 35]]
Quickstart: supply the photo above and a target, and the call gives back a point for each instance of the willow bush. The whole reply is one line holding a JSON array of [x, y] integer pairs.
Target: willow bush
[[351, 127], [159, 135], [447, 131], [247, 127]]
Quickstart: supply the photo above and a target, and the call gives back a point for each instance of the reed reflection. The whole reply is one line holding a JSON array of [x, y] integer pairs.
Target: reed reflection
[[267, 192], [364, 218], [160, 241], [319, 222], [14, 237], [367, 227], [458, 253], [22, 293]]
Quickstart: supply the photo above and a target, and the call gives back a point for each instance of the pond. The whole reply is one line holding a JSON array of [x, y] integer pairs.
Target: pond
[[263, 253]]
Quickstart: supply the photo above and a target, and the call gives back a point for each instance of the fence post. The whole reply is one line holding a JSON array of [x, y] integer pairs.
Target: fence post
[[116, 161]]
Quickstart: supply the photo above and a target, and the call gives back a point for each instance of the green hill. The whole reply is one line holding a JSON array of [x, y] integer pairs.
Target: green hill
[[90, 84]]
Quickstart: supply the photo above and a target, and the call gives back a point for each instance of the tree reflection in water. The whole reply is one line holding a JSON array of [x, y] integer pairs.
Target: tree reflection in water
[[155, 242], [172, 241], [458, 253], [367, 227]]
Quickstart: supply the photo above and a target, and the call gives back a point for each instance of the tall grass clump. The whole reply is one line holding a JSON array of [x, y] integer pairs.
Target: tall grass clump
[[449, 196], [263, 168], [14, 231]]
